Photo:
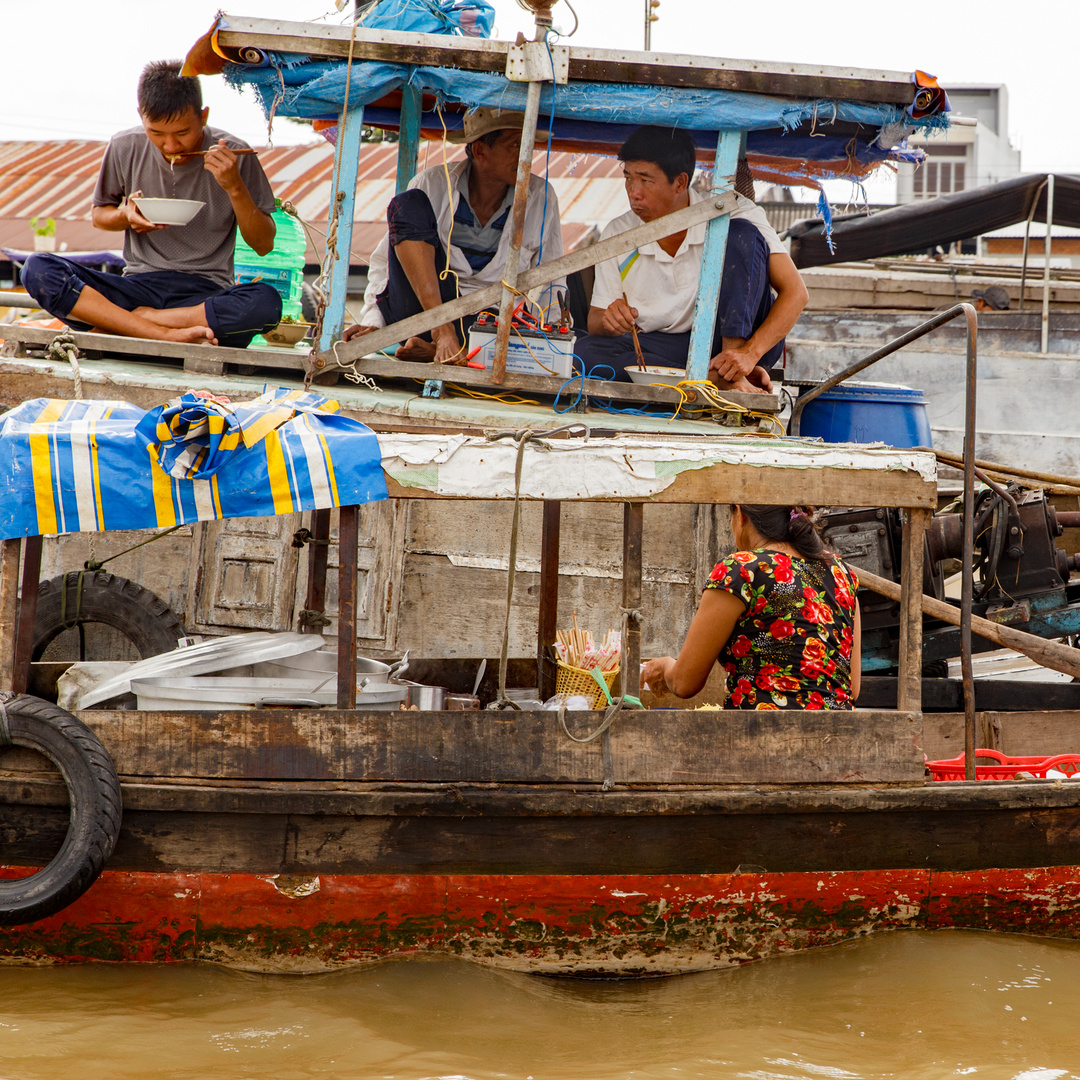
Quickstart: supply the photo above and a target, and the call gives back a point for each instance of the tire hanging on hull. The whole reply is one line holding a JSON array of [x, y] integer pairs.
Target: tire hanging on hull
[[98, 597], [94, 812]]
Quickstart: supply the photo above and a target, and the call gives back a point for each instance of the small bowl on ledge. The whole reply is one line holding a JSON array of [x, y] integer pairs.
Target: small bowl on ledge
[[288, 335]]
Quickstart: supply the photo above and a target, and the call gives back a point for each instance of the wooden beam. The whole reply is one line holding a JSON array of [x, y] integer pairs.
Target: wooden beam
[[510, 290], [484, 747], [549, 596], [543, 274], [318, 552], [10, 555], [595, 65], [909, 688], [348, 539], [389, 368], [151, 351], [28, 596], [753, 484], [633, 520]]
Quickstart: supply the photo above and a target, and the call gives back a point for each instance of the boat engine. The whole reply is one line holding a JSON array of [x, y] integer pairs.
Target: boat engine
[[1021, 576]]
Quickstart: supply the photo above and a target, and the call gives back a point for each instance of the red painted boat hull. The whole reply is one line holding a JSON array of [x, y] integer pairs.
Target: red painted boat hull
[[629, 925]]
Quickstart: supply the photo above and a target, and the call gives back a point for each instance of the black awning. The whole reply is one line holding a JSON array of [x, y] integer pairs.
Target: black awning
[[917, 226]]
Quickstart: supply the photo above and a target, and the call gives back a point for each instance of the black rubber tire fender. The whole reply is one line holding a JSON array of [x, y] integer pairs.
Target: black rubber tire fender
[[141, 616], [94, 812]]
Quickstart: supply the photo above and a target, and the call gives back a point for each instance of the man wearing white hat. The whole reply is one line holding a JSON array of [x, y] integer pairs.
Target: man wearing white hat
[[464, 208]]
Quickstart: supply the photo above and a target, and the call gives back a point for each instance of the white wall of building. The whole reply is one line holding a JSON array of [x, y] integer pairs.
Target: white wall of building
[[964, 157]]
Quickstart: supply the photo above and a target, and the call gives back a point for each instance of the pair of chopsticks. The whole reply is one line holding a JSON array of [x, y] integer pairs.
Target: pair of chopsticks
[[637, 344], [203, 153]]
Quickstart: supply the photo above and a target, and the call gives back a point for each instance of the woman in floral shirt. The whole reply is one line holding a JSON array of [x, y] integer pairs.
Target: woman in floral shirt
[[781, 616]]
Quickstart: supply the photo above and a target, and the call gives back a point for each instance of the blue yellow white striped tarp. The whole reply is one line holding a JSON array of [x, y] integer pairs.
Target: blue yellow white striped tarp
[[85, 466]]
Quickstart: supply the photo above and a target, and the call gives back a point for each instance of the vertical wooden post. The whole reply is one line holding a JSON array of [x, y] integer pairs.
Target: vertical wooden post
[[909, 685], [348, 538], [318, 552], [549, 597], [633, 516], [513, 255], [9, 610], [342, 202], [729, 145], [408, 147], [24, 632]]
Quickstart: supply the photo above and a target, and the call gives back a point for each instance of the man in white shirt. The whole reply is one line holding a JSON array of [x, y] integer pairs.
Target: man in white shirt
[[466, 207], [660, 280]]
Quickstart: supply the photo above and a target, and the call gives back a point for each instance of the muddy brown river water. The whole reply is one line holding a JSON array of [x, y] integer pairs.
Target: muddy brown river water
[[904, 1005]]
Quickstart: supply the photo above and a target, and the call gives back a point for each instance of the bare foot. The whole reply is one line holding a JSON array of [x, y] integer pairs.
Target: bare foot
[[416, 349], [191, 335], [743, 385]]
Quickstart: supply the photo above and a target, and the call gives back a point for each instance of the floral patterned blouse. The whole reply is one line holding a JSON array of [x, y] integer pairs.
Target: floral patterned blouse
[[791, 648]]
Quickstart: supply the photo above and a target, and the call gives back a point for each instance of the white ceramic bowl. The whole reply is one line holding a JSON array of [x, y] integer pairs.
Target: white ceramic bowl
[[288, 334], [169, 211], [667, 375]]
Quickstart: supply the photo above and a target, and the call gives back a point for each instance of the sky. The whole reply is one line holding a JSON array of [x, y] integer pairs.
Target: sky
[[70, 67]]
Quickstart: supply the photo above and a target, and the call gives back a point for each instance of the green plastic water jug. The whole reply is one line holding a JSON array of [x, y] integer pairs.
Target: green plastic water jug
[[283, 268]]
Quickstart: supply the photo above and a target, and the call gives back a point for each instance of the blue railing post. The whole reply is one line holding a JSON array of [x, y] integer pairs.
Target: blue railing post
[[408, 136], [728, 147], [342, 203]]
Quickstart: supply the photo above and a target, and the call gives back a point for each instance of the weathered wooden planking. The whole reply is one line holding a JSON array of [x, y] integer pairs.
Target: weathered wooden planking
[[487, 747], [209, 359], [387, 368], [1030, 733], [727, 483], [603, 65], [285, 828]]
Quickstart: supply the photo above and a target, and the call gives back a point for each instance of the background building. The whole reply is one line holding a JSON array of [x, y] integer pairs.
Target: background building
[[965, 157]]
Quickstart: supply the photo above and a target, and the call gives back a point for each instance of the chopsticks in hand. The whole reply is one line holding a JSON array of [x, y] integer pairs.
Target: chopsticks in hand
[[637, 344]]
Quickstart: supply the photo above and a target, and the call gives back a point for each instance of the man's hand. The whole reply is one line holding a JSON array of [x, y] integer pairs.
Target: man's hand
[[135, 221], [447, 347], [224, 165], [619, 318], [356, 330], [734, 363]]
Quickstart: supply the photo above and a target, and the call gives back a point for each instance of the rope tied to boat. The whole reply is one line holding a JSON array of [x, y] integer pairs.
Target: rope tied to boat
[[615, 706], [92, 564], [63, 349], [522, 438]]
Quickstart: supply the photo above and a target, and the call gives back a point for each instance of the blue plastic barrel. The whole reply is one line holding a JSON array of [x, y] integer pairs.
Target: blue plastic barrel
[[868, 412]]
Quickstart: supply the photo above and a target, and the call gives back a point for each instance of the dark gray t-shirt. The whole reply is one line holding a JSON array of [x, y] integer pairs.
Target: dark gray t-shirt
[[205, 245]]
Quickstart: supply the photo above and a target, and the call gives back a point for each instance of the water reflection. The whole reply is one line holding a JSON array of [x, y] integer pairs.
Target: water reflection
[[907, 1005]]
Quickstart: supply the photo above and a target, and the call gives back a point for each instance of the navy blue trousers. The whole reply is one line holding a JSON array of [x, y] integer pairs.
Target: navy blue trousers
[[744, 301], [410, 216], [235, 315]]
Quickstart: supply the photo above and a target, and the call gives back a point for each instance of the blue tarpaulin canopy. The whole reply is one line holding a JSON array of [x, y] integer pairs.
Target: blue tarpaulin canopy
[[86, 466], [802, 139]]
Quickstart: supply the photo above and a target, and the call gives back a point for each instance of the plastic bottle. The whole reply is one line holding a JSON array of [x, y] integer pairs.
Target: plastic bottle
[[283, 267]]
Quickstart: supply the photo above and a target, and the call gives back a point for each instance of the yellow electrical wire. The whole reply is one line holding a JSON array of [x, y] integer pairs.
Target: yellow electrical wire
[[716, 402]]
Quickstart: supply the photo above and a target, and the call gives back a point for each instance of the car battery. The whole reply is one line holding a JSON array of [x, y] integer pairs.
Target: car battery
[[528, 352]]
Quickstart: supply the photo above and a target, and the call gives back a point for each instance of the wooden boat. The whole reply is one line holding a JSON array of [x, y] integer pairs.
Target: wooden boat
[[676, 840]]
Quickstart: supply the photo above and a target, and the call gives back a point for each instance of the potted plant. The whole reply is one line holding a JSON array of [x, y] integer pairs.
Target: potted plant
[[44, 233]]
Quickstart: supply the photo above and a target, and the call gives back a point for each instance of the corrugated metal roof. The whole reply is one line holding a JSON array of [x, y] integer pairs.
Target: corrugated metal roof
[[56, 179]]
